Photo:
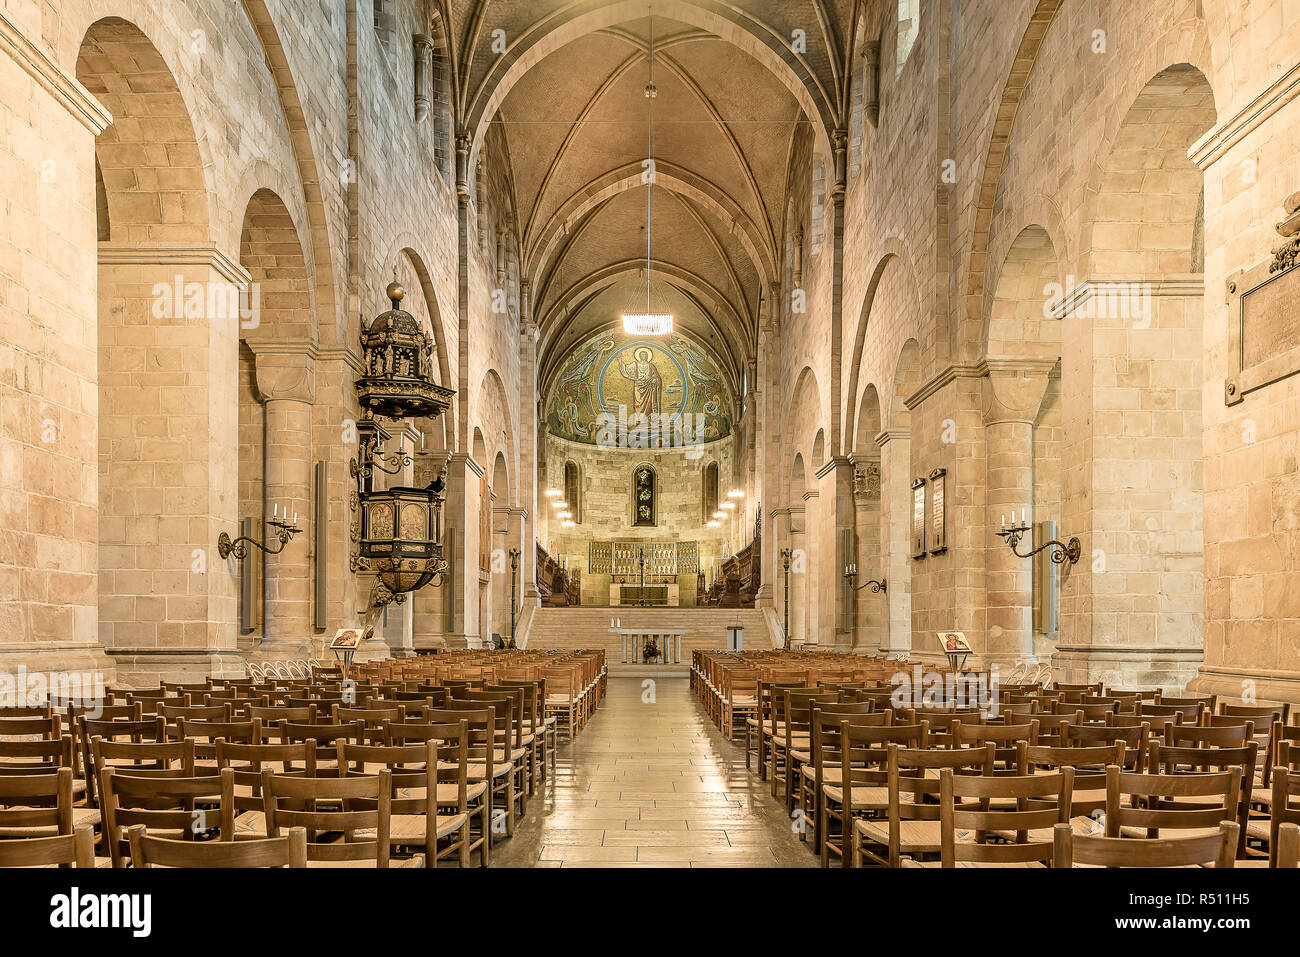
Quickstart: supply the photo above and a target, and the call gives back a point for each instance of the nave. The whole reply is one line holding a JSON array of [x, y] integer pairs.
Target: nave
[[651, 783]]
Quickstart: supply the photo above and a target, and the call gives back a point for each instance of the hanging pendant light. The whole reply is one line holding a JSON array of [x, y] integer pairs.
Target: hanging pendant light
[[652, 322]]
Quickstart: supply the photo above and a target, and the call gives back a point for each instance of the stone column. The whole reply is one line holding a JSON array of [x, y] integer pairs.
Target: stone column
[[869, 606], [1011, 401], [286, 383], [768, 437], [895, 518], [802, 618], [526, 481]]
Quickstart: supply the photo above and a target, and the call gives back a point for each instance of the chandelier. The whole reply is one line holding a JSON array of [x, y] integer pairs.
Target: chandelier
[[651, 322]]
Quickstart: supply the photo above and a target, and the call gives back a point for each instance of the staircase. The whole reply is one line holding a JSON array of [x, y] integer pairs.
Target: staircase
[[587, 627]]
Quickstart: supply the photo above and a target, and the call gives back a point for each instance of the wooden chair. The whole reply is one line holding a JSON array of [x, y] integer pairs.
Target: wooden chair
[[1212, 850], [36, 805], [823, 766], [150, 851], [324, 807], [913, 825], [1020, 810], [563, 697], [487, 779], [864, 776], [1089, 764], [795, 745], [417, 773], [513, 788], [247, 762], [1193, 750], [1160, 805], [173, 803], [63, 850], [1284, 812]]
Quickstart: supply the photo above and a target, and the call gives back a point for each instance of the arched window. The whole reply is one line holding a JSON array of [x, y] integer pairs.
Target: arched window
[[440, 90], [909, 24], [573, 491], [644, 483], [708, 492]]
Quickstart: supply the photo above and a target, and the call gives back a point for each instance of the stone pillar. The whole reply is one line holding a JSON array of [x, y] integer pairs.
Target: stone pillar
[[286, 383], [460, 512], [168, 478], [802, 617], [1011, 401], [768, 437], [869, 607], [526, 481], [895, 534]]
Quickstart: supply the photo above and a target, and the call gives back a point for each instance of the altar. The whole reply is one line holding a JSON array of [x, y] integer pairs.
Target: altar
[[667, 640], [659, 594]]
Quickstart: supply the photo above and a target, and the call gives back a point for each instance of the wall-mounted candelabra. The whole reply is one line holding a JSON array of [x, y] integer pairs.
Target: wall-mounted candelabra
[[285, 530], [370, 438], [851, 573], [1061, 551]]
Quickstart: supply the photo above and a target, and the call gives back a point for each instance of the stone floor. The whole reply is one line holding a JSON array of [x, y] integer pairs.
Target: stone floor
[[651, 783]]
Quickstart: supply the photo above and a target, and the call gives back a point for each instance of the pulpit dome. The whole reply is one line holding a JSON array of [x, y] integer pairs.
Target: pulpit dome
[[398, 361]]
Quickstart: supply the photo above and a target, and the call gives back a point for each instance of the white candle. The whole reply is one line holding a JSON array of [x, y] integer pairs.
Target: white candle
[[1004, 522], [276, 513], [295, 516]]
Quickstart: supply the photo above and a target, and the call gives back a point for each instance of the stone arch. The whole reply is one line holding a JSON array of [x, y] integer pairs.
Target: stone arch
[[1146, 217], [906, 380], [413, 273], [1022, 320], [151, 162], [728, 23], [269, 248]]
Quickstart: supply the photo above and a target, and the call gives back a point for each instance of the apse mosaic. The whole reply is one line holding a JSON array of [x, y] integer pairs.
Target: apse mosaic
[[620, 376]]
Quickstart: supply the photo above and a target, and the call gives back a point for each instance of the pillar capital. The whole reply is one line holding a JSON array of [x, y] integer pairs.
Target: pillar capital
[[284, 375], [1014, 390]]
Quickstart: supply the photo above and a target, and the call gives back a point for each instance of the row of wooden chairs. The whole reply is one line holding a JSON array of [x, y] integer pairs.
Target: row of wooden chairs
[[188, 763]]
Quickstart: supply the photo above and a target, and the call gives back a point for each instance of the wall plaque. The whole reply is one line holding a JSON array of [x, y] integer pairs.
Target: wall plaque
[[938, 511], [918, 518], [1264, 330]]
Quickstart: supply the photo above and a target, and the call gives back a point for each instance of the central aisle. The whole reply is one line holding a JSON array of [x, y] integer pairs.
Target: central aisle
[[651, 783]]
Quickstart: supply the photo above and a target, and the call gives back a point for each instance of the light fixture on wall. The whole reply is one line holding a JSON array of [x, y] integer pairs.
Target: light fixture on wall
[[719, 514], [728, 505], [652, 322], [735, 493], [559, 504], [285, 530], [714, 523], [1061, 551], [553, 493], [566, 515], [567, 523]]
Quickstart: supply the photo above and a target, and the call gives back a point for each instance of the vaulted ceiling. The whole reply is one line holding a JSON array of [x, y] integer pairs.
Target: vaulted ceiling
[[570, 95]]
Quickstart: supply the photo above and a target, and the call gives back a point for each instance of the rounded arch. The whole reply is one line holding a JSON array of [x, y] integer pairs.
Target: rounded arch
[[798, 477], [819, 450], [501, 479], [1151, 223], [271, 251], [995, 158], [907, 378], [1020, 321], [479, 448], [643, 512], [406, 258], [541, 246], [154, 164], [729, 23], [492, 415], [868, 423], [893, 251]]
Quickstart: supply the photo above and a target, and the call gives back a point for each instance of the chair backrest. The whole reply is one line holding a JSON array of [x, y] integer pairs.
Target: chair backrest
[[967, 802], [167, 802], [912, 788], [324, 805], [43, 755], [1161, 801], [37, 801], [142, 757], [1089, 764], [1089, 735], [62, 850], [1006, 739], [248, 761], [150, 851], [1285, 810], [1217, 850], [49, 725]]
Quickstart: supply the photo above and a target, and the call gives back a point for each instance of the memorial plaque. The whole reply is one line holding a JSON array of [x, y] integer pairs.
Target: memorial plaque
[[1264, 334], [918, 518], [938, 511]]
